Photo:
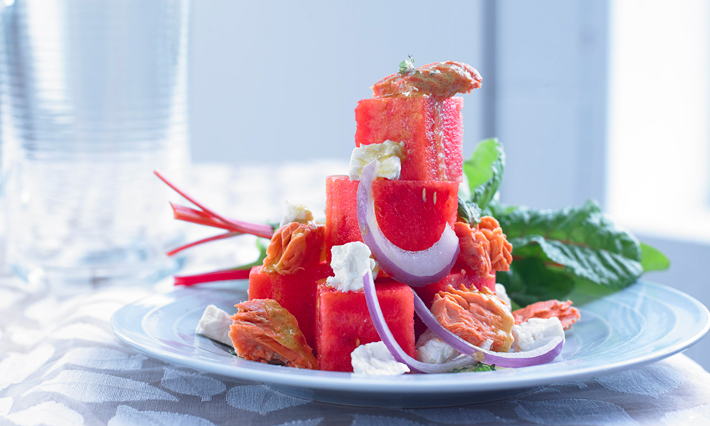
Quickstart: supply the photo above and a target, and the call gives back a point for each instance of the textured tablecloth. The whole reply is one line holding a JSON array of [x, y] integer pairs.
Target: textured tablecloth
[[61, 365]]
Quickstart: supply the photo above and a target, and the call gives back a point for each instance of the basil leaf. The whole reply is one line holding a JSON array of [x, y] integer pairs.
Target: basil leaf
[[485, 171], [582, 241], [653, 260]]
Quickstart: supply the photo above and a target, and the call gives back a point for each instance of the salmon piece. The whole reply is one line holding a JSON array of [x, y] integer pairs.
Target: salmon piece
[[566, 313], [439, 80], [478, 317], [263, 331], [473, 251], [499, 250], [295, 246], [483, 249]]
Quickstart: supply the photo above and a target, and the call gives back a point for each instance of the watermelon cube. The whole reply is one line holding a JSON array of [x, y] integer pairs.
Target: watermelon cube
[[295, 292], [411, 214], [344, 322], [431, 129]]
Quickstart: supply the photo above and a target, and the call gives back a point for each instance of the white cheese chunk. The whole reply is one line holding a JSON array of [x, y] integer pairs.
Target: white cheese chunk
[[388, 153], [536, 332], [503, 296], [296, 213], [215, 324], [375, 359], [350, 261], [432, 350]]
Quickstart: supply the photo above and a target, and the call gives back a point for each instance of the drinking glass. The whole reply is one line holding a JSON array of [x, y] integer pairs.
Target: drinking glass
[[94, 99]]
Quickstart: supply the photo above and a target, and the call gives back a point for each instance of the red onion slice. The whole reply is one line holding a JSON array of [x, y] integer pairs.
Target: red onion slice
[[383, 330], [415, 268], [541, 355]]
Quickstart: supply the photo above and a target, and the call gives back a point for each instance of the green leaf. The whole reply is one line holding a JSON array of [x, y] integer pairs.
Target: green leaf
[[586, 291], [530, 280], [580, 241], [407, 65], [469, 212], [475, 368], [485, 171], [653, 260]]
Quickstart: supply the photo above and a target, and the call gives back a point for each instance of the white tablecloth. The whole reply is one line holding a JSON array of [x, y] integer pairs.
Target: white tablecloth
[[61, 365]]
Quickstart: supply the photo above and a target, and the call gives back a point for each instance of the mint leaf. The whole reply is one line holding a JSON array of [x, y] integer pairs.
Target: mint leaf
[[485, 171], [475, 368], [653, 260], [469, 212], [407, 65], [580, 241]]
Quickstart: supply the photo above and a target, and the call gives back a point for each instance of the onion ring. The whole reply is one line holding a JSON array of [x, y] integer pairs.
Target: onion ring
[[414, 268]]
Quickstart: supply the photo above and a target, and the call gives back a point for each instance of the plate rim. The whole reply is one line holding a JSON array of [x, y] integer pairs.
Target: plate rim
[[406, 384]]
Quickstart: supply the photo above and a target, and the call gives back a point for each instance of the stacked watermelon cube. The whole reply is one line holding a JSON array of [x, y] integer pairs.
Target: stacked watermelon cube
[[412, 213]]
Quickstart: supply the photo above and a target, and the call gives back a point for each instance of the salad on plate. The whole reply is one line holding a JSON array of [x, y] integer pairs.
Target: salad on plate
[[417, 267]]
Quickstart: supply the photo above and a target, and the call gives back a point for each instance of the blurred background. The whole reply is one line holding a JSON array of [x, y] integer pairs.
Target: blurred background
[[607, 99]]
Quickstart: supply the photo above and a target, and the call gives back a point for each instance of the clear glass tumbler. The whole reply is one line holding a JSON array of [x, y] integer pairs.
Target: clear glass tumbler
[[94, 99]]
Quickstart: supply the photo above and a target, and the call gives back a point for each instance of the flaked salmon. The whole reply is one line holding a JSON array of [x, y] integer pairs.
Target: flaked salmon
[[499, 250], [566, 313], [439, 80], [483, 249], [478, 317], [266, 332], [295, 246]]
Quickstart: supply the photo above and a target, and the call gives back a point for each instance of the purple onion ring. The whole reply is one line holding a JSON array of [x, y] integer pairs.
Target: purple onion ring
[[414, 268]]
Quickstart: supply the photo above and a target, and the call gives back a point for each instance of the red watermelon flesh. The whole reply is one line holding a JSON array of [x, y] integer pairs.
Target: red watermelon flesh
[[431, 129], [411, 214], [454, 279], [341, 225], [295, 292], [344, 322]]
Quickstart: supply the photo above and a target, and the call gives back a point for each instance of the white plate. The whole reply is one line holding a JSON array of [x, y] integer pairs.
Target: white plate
[[638, 325]]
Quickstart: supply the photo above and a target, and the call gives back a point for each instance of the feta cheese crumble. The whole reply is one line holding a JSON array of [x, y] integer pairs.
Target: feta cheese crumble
[[536, 332], [296, 213], [432, 350], [375, 359], [388, 153], [215, 324], [349, 263]]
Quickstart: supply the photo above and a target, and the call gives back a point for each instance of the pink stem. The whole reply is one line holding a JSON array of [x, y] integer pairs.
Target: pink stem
[[188, 214], [258, 230], [188, 280]]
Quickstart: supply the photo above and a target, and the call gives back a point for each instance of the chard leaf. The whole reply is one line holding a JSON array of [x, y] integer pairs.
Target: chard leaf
[[581, 241], [653, 260], [485, 171], [530, 280]]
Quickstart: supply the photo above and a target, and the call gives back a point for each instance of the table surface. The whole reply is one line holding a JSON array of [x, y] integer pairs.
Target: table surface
[[61, 365]]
